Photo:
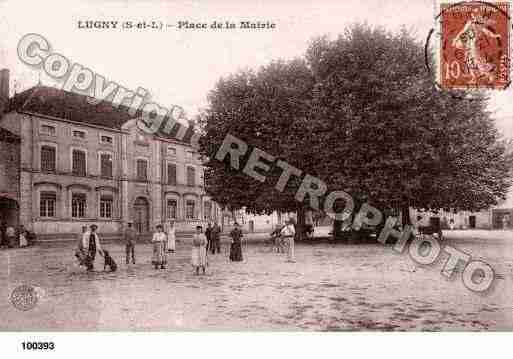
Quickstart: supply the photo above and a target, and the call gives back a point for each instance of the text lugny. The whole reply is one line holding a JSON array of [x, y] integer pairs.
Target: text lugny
[[90, 24]]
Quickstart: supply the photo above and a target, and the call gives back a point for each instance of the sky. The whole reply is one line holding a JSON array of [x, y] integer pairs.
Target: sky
[[180, 67]]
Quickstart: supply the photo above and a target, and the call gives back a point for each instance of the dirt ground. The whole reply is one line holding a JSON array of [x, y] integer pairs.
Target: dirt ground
[[330, 287]]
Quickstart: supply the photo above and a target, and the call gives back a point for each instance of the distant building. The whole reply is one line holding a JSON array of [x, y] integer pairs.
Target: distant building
[[260, 222], [254, 223], [66, 163], [497, 217]]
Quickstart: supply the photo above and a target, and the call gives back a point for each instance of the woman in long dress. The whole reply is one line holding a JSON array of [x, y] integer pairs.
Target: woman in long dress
[[236, 246], [80, 252], [199, 250], [287, 233], [477, 29], [171, 237], [91, 245], [159, 241]]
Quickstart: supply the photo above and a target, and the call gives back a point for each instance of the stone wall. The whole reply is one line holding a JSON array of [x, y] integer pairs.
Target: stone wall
[[10, 168]]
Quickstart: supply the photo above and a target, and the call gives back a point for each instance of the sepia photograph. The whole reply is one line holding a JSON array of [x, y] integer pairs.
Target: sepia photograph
[[255, 166]]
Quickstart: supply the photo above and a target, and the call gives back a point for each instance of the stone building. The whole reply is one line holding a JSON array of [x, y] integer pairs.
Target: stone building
[[9, 162], [9, 177], [254, 223], [81, 164], [496, 217]]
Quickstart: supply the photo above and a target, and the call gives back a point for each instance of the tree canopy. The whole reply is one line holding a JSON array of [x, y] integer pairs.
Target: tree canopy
[[267, 109], [361, 113]]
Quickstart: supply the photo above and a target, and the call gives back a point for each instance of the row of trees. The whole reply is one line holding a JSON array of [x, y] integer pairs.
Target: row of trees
[[361, 113]]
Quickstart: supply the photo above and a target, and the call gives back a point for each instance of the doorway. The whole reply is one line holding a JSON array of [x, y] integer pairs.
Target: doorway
[[9, 212], [472, 221], [435, 222], [142, 215]]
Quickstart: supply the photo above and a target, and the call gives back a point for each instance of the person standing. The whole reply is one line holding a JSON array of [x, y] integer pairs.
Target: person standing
[[236, 246], [505, 221], [171, 237], [23, 237], [10, 233], [130, 240], [199, 250], [216, 239], [159, 241], [417, 226], [80, 252], [3, 228], [91, 244], [208, 234], [288, 232]]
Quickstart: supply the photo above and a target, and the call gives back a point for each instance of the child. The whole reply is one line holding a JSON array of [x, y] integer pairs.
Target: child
[[23, 237]]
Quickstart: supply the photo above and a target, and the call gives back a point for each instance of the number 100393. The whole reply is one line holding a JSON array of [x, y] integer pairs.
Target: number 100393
[[38, 345]]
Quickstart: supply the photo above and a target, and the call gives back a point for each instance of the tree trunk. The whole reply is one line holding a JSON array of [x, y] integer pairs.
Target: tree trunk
[[337, 229], [300, 224], [405, 214]]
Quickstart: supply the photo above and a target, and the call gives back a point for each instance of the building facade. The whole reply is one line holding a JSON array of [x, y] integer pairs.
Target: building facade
[[496, 217], [81, 164]]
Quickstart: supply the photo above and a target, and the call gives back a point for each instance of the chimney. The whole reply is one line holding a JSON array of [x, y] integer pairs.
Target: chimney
[[4, 91]]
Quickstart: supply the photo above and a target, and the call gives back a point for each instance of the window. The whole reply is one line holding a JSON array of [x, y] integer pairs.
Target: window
[[79, 134], [189, 209], [106, 165], [78, 205], [191, 173], [207, 210], [48, 130], [171, 174], [171, 151], [79, 163], [106, 139], [48, 155], [202, 178], [106, 206], [47, 202], [142, 170], [171, 208], [188, 155]]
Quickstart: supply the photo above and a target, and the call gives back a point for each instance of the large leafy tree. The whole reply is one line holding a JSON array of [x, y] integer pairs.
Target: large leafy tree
[[267, 109], [392, 137], [361, 113]]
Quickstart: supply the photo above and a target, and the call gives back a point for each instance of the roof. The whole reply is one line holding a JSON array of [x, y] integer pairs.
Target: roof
[[70, 106], [8, 136], [50, 101]]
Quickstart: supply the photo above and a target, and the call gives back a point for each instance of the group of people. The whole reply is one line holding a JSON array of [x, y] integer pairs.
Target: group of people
[[12, 237], [163, 243], [213, 234]]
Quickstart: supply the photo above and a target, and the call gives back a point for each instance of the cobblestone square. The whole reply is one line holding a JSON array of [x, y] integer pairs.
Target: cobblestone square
[[330, 287]]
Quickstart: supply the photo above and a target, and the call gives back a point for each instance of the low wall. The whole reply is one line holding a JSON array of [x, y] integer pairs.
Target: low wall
[[72, 228]]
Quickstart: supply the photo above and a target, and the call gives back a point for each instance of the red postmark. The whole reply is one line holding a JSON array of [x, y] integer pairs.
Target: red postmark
[[475, 45]]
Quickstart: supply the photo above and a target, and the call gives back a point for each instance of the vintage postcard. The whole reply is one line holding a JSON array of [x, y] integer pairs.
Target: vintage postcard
[[255, 166]]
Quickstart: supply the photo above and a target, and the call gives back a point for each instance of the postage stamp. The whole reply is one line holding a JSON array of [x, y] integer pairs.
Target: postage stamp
[[475, 45]]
